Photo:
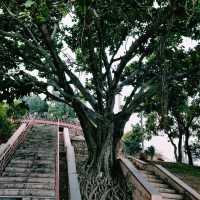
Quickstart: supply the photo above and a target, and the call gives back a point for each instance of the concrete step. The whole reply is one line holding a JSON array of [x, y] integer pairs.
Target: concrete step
[[155, 180], [36, 175], [161, 185], [27, 192], [167, 190], [50, 165], [26, 170], [32, 147], [149, 176], [38, 198], [34, 151], [145, 172], [35, 154], [4, 179], [47, 186], [29, 157], [172, 196], [29, 162]]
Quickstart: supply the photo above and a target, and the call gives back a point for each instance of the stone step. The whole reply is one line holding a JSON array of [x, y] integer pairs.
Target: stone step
[[47, 186], [161, 185], [33, 147], [4, 179], [32, 165], [172, 196], [155, 180], [27, 192], [35, 154], [26, 170], [36, 175], [29, 162], [38, 151], [38, 198], [149, 176], [145, 172], [167, 190], [28, 157]]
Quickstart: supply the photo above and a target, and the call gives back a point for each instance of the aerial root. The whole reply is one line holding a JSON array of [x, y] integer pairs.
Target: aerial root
[[101, 188]]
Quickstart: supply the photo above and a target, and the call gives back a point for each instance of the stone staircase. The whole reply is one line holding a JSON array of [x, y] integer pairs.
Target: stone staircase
[[30, 175], [166, 191]]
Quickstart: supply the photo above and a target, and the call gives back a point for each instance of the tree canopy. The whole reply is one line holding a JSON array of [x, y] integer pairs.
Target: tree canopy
[[114, 44]]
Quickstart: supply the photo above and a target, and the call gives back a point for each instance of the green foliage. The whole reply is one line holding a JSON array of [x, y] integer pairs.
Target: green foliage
[[133, 140], [195, 147], [5, 125], [17, 110], [60, 111], [36, 104]]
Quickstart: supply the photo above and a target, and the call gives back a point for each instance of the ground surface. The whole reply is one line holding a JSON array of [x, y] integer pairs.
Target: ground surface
[[189, 174]]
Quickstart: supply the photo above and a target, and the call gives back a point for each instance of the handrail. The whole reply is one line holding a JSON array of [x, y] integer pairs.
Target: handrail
[[73, 184], [138, 163], [186, 189], [57, 170], [17, 138], [137, 179]]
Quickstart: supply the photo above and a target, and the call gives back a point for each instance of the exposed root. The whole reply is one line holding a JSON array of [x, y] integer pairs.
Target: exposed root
[[99, 187]]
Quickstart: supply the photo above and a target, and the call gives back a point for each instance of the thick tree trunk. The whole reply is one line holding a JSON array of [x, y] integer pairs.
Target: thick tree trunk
[[103, 158], [187, 147], [101, 141]]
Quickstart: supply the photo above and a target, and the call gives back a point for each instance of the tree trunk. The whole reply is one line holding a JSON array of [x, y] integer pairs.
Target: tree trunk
[[180, 153], [187, 147], [174, 146], [180, 135], [102, 138]]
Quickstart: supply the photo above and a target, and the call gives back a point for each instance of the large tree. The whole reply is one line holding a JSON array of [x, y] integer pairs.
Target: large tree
[[110, 40], [178, 112]]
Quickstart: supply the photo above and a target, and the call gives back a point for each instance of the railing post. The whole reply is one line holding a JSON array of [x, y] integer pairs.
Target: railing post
[[57, 178], [73, 184]]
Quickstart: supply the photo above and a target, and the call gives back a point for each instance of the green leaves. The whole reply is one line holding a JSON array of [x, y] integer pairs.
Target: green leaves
[[29, 3]]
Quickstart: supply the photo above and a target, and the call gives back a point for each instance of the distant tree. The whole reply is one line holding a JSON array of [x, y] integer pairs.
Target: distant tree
[[36, 104], [175, 108], [17, 109], [60, 110], [133, 140]]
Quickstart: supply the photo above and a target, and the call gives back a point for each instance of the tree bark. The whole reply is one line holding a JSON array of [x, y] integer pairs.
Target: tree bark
[[102, 139]]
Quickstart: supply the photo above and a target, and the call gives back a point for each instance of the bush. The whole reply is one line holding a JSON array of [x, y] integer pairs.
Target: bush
[[5, 126], [133, 140], [150, 151]]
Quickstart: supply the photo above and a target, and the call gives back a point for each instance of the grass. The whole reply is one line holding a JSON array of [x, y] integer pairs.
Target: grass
[[189, 174]]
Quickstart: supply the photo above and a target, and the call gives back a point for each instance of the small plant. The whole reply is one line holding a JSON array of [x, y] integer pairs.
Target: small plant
[[150, 151]]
